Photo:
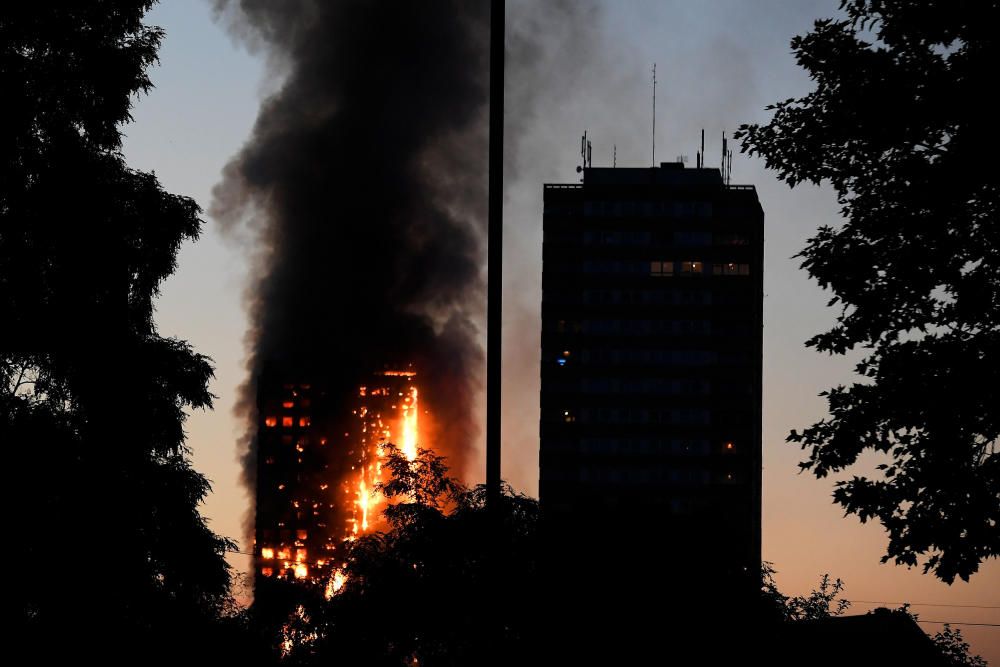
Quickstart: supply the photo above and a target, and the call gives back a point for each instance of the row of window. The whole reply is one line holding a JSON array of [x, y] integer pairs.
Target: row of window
[[656, 357], [645, 239], [617, 208], [666, 268], [647, 327], [287, 421], [695, 447], [667, 297], [636, 415], [654, 475], [645, 297], [647, 386]]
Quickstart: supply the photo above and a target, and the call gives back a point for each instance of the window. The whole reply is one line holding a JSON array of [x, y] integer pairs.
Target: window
[[731, 239], [288, 404], [270, 422], [267, 571], [267, 553], [287, 422], [731, 269], [661, 268], [692, 239], [304, 421], [692, 268]]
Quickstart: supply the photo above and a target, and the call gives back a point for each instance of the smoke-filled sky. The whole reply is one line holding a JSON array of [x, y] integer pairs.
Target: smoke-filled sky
[[573, 66]]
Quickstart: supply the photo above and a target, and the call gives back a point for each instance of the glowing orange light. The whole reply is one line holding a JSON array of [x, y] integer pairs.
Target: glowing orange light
[[267, 571], [301, 571], [336, 583], [304, 421], [270, 422], [729, 445], [283, 555], [288, 404], [267, 553], [287, 422], [409, 447]]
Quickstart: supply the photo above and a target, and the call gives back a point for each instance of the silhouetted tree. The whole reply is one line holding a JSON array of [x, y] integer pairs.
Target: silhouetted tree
[[823, 603], [419, 591], [820, 603], [954, 647], [114, 556], [896, 124]]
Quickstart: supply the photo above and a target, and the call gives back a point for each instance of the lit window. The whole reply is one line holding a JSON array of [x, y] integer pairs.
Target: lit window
[[661, 269], [731, 269], [287, 422], [300, 534], [288, 404], [267, 571], [692, 268], [568, 417], [267, 553], [270, 422], [729, 447], [301, 571], [283, 554], [300, 554], [304, 421]]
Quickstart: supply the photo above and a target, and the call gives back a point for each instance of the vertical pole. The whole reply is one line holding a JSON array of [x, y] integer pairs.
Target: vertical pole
[[494, 256]]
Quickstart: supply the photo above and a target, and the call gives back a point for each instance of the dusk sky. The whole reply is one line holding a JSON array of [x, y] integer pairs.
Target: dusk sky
[[718, 63]]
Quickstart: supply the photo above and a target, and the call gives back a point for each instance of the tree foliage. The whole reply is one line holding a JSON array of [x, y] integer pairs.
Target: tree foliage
[[92, 398], [822, 602], [896, 124], [418, 592]]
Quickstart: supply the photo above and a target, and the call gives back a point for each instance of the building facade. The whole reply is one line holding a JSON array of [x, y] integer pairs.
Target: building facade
[[319, 463], [652, 296]]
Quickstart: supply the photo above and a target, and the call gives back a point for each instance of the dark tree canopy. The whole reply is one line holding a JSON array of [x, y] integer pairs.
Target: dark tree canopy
[[899, 123], [116, 557], [418, 592]]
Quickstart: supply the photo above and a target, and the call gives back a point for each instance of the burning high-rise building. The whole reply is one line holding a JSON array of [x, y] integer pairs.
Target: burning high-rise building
[[319, 464]]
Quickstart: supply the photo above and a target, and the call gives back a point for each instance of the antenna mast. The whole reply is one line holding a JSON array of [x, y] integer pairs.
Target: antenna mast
[[654, 114]]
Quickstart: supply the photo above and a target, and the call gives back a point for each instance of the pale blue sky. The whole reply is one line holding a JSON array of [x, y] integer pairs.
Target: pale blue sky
[[718, 64]]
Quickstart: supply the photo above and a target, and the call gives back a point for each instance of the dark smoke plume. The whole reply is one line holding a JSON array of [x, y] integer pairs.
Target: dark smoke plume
[[363, 186]]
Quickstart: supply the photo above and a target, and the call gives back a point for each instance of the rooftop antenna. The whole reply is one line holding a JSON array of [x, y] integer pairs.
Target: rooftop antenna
[[701, 153], [584, 153], [614, 156], [590, 155], [722, 168], [654, 114]]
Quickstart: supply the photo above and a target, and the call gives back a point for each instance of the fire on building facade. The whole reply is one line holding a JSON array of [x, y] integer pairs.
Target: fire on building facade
[[319, 461]]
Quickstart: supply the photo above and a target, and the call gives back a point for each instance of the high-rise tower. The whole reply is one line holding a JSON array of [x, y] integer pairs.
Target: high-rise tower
[[650, 460]]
